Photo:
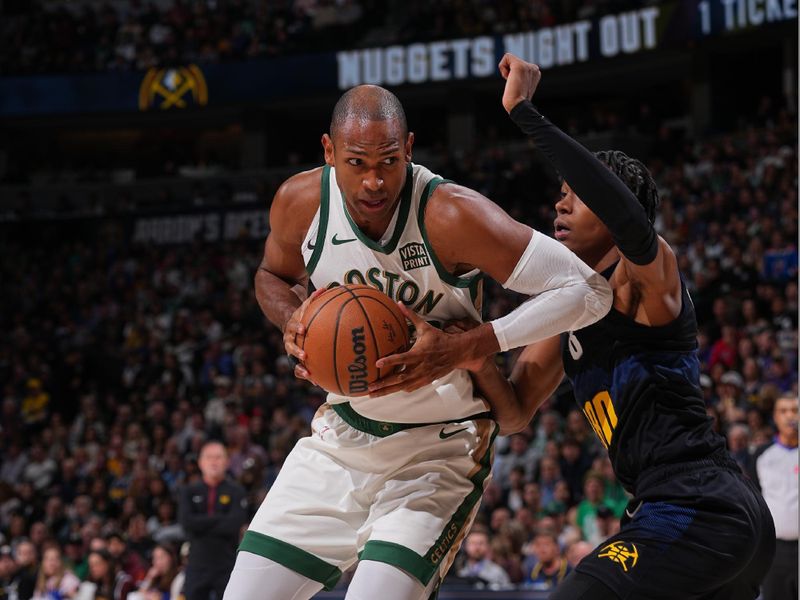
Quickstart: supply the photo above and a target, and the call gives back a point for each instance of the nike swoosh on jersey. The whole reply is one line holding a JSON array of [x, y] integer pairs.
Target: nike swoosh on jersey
[[444, 436], [310, 246], [337, 242], [632, 514]]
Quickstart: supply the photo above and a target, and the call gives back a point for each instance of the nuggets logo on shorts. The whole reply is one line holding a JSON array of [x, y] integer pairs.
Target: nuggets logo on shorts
[[625, 554]]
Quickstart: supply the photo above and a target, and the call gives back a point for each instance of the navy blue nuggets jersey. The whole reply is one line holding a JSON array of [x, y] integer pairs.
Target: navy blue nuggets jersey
[[639, 388]]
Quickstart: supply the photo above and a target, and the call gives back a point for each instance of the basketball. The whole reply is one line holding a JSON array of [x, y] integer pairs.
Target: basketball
[[348, 328]]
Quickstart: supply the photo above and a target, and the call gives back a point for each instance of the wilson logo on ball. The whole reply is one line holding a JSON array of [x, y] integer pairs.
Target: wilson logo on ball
[[358, 368], [347, 329]]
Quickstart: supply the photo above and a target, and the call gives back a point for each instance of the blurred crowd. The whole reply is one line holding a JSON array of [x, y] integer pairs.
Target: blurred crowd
[[55, 36], [118, 361]]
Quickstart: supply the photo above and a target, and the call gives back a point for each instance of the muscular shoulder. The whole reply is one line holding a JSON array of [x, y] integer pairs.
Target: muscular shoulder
[[295, 204], [451, 203], [468, 230]]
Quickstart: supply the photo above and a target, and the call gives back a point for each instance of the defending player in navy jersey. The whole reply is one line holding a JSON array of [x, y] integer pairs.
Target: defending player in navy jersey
[[695, 528]]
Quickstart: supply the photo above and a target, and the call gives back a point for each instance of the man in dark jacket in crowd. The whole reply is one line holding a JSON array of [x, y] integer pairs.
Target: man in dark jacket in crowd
[[212, 512]]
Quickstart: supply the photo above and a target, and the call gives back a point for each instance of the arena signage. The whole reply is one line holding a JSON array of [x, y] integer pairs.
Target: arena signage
[[666, 25], [206, 227], [571, 43]]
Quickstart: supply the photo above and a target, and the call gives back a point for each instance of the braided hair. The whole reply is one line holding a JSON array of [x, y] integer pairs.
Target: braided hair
[[634, 175]]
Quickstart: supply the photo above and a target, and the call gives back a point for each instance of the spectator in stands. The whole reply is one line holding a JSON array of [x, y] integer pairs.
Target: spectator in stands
[[546, 568], [593, 498], [107, 580], [55, 580], [577, 551], [520, 454], [129, 561], [738, 439], [27, 566], [164, 580], [573, 464], [548, 478], [8, 568], [478, 564]]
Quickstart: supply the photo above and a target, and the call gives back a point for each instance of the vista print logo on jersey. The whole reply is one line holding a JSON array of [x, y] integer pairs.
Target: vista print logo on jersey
[[414, 256]]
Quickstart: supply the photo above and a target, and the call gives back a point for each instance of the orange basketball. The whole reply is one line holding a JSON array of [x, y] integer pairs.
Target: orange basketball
[[348, 328]]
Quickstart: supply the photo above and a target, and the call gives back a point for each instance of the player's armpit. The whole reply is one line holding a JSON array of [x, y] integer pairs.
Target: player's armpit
[[658, 298]]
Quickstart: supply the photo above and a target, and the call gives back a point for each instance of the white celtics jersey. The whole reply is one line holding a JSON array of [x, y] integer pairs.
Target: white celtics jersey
[[403, 266]]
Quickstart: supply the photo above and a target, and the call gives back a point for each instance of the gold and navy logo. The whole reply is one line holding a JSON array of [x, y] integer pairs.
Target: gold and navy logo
[[224, 499], [414, 256], [622, 553], [177, 87]]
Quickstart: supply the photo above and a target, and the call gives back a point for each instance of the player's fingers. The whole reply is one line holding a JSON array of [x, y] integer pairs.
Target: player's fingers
[[503, 66], [302, 373], [390, 382], [402, 359], [293, 327], [398, 383], [293, 349], [415, 319]]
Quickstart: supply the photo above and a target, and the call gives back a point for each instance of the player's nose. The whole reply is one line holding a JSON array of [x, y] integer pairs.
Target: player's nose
[[372, 182]]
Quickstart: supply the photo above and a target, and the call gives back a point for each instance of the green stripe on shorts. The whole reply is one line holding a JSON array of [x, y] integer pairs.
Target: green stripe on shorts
[[398, 556], [450, 532], [291, 557], [425, 567]]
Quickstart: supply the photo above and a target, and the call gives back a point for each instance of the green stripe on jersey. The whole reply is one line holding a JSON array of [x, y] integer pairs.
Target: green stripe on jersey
[[444, 274], [322, 226]]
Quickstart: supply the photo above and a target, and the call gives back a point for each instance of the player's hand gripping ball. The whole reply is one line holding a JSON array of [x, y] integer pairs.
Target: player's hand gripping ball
[[347, 329]]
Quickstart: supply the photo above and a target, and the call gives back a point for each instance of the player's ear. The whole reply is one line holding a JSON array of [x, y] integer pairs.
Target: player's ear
[[409, 145], [327, 146]]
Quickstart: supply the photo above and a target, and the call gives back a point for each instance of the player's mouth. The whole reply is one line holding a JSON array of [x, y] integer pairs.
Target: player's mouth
[[373, 204], [562, 231]]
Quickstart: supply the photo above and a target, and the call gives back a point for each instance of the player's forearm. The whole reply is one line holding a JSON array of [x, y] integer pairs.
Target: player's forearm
[[602, 191], [275, 297], [566, 295], [498, 391]]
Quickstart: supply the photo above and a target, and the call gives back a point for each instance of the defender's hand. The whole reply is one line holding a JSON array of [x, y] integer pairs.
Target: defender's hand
[[433, 355], [521, 80], [293, 334]]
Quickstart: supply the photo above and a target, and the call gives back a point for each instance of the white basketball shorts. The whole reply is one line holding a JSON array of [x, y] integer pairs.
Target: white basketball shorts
[[387, 492]]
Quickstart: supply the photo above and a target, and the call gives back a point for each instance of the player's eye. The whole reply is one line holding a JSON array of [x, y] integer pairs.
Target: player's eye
[[355, 162], [390, 160], [562, 195]]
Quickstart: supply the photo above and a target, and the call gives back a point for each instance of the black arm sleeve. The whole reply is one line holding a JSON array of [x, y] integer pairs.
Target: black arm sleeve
[[601, 190]]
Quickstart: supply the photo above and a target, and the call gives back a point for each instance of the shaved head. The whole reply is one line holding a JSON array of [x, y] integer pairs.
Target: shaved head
[[368, 103]]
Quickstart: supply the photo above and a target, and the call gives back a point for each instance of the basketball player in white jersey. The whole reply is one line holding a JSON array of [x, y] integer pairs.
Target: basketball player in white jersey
[[394, 481]]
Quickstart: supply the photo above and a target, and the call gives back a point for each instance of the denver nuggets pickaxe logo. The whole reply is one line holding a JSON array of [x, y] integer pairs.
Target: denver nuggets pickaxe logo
[[173, 88], [625, 554]]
